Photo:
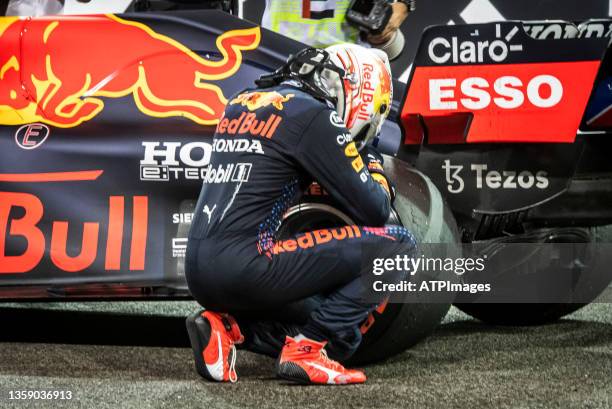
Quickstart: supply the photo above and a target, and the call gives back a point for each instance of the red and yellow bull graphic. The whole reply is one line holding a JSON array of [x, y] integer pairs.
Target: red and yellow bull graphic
[[57, 70], [255, 100]]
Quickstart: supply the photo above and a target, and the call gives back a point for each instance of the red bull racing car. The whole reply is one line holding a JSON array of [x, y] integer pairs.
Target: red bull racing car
[[501, 136]]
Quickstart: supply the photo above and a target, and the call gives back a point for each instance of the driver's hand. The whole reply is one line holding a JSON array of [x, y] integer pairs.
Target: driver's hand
[[374, 162], [400, 12]]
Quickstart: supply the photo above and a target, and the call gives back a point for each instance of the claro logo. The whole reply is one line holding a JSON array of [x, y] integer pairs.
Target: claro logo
[[475, 86], [20, 223], [442, 50]]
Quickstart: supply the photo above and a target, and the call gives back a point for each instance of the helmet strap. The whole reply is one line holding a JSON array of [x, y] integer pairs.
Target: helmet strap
[[305, 67]]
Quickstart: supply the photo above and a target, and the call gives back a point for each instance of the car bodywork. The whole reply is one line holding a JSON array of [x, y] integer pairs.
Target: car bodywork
[[511, 121], [106, 124], [92, 195]]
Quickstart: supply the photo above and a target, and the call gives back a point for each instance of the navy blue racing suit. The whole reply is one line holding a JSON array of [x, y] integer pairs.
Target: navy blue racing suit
[[269, 146]]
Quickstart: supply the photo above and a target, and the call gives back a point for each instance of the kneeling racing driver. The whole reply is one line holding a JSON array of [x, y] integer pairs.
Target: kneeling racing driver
[[308, 121]]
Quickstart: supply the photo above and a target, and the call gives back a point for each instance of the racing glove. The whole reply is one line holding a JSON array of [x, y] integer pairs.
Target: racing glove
[[374, 162]]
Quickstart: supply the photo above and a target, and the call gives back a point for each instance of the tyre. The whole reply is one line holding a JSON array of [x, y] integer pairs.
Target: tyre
[[589, 285], [419, 208]]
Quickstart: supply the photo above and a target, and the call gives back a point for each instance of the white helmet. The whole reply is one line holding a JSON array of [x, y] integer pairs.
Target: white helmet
[[365, 93]]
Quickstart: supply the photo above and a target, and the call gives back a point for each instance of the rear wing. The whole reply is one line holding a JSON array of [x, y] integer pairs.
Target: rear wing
[[598, 115], [509, 82]]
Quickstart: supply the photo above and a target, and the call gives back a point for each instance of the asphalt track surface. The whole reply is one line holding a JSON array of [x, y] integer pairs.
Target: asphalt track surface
[[135, 355]]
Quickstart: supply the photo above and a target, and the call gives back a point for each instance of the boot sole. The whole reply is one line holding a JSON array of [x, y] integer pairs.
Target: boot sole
[[199, 331], [294, 373]]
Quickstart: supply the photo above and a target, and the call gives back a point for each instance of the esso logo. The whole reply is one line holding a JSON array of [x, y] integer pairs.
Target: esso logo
[[507, 92], [31, 136]]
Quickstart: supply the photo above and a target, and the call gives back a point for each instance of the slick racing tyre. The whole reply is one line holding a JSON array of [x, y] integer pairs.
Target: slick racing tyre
[[590, 281], [420, 208]]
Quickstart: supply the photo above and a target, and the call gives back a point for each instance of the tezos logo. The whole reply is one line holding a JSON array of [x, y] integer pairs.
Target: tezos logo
[[442, 50], [455, 183], [31, 136], [336, 120], [493, 179]]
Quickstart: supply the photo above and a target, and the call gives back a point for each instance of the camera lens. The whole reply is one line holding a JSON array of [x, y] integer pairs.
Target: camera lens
[[394, 47]]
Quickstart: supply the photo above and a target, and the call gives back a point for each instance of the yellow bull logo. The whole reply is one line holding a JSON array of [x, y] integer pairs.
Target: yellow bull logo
[[255, 100], [72, 63]]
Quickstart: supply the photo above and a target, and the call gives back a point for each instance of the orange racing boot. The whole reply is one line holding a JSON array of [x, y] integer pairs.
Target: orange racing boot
[[213, 339], [305, 361]]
